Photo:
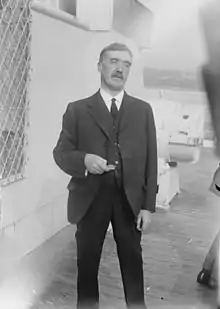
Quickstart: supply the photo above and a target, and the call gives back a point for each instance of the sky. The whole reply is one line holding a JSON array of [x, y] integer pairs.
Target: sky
[[177, 40]]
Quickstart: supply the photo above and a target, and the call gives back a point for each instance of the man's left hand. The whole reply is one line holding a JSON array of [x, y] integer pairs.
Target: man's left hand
[[144, 220]]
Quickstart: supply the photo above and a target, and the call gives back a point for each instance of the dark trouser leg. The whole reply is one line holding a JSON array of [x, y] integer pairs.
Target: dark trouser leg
[[212, 254], [128, 240], [90, 236]]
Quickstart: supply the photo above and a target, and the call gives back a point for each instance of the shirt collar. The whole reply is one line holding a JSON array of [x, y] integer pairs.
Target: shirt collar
[[107, 97], [119, 97]]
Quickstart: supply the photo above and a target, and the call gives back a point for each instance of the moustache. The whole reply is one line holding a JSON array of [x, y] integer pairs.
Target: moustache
[[118, 75]]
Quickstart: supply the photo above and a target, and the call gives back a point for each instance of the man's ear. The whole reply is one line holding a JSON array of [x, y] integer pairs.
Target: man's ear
[[99, 65]]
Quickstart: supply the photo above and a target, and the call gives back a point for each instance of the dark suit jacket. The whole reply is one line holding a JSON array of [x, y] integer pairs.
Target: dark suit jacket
[[87, 125]]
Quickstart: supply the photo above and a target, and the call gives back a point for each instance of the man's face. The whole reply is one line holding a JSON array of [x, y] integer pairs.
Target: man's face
[[114, 69]]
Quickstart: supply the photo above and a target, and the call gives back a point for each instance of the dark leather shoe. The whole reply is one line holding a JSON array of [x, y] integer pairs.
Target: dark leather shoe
[[203, 277]]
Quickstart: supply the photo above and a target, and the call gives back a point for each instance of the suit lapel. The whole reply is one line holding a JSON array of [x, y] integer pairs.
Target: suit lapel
[[100, 114], [126, 112]]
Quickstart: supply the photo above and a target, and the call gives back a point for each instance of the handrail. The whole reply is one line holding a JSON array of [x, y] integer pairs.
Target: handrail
[[58, 14]]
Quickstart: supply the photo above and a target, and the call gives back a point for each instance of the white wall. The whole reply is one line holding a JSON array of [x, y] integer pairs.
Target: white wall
[[64, 61]]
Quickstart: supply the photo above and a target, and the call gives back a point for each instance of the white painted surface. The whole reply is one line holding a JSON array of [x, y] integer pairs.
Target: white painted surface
[[97, 13]]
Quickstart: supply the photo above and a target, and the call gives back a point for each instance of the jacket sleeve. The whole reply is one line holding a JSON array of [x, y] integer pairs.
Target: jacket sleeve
[[151, 165], [211, 81], [66, 155]]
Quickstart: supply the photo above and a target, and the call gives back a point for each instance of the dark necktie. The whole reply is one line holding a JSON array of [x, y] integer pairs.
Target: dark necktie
[[114, 109]]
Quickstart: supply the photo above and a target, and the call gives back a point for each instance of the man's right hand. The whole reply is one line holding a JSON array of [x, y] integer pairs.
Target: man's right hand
[[96, 164]]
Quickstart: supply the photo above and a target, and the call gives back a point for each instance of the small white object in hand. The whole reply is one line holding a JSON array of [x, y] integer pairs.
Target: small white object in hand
[[110, 228]]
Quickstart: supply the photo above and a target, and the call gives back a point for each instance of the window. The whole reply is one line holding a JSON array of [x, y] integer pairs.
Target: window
[[14, 77]]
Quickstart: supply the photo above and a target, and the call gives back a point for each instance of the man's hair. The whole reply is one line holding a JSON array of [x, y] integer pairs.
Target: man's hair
[[114, 47]]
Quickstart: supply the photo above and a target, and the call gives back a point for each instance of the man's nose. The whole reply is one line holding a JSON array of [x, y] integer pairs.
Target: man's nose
[[119, 69]]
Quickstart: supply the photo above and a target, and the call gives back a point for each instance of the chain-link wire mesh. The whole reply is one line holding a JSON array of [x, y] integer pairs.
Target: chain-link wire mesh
[[15, 19]]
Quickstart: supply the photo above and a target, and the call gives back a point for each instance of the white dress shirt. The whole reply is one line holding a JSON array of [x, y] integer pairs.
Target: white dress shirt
[[107, 98]]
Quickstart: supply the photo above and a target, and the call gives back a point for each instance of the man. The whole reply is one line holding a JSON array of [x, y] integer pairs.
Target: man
[[108, 146], [210, 21], [209, 274]]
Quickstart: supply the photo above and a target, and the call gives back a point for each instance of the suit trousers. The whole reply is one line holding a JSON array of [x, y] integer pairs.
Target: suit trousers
[[109, 205]]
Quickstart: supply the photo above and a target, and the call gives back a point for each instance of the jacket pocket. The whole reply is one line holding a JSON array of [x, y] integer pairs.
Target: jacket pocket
[[76, 183], [144, 188]]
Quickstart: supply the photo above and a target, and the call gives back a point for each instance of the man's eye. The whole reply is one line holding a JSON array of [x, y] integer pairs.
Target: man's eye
[[127, 64]]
